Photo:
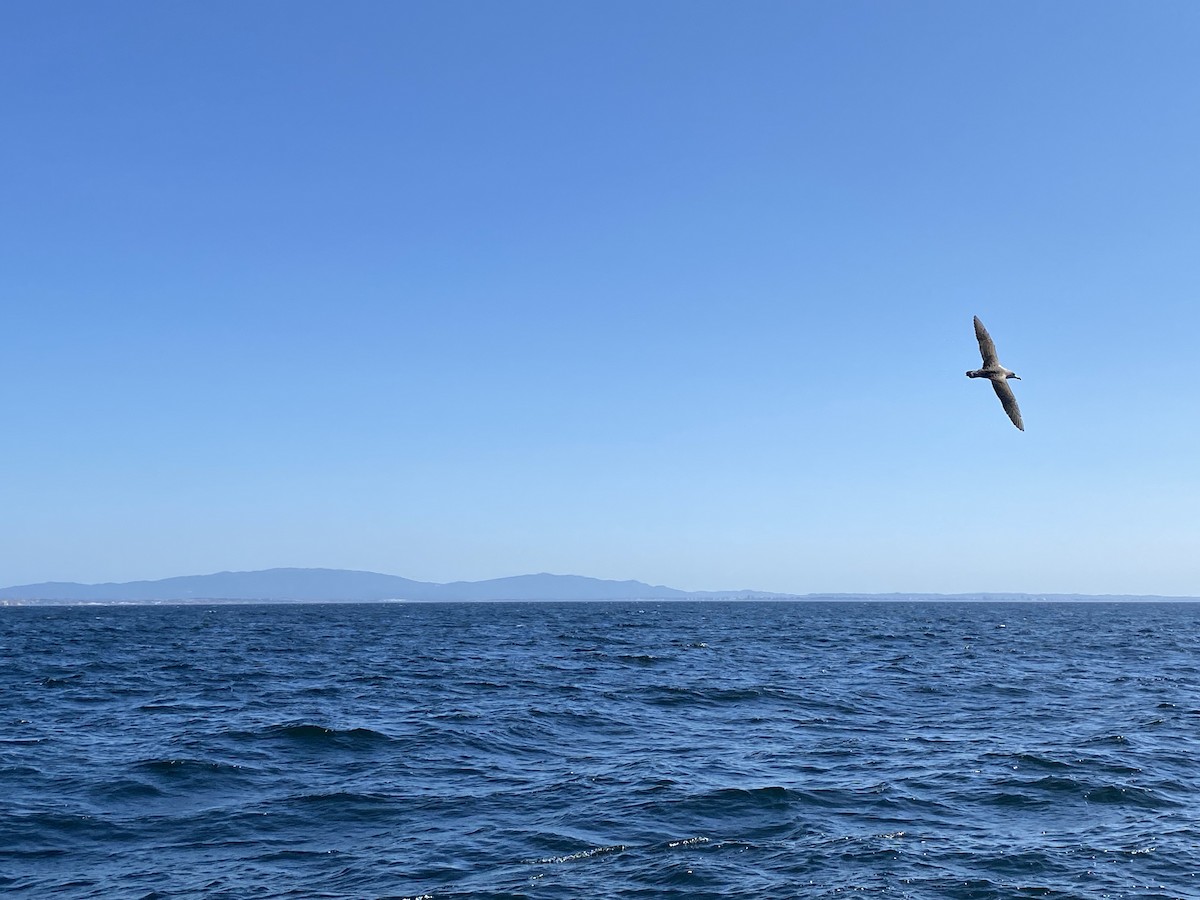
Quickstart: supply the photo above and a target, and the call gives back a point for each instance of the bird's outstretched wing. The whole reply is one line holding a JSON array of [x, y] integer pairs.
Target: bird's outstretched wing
[[986, 348], [1007, 399]]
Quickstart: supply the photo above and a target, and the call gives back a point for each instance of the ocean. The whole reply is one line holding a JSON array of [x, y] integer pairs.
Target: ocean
[[601, 750]]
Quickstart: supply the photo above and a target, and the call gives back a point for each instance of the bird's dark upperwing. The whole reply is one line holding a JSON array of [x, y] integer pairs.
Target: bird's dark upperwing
[[1007, 399], [986, 348]]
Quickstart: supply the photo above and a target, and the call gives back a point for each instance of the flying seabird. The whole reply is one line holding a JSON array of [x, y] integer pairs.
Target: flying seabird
[[996, 373]]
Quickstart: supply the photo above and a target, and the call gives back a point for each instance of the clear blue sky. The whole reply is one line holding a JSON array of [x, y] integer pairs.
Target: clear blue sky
[[675, 291]]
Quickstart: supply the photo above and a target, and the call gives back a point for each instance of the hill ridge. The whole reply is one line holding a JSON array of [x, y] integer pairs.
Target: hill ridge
[[349, 585]]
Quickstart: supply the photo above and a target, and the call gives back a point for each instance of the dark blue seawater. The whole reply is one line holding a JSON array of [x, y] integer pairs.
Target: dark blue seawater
[[612, 750]]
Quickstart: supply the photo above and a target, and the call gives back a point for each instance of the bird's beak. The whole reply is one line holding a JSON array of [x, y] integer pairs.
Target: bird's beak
[[1015, 377]]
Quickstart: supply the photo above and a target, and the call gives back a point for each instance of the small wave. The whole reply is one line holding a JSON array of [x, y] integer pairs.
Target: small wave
[[688, 842], [643, 659], [725, 799], [128, 790], [341, 798], [582, 854], [1116, 740], [320, 690], [291, 855], [40, 853], [686, 696], [1015, 791], [1119, 769], [1128, 795], [377, 680], [1015, 799], [177, 768], [304, 734], [1051, 788], [1034, 760], [1053, 784], [20, 772], [53, 826], [62, 680]]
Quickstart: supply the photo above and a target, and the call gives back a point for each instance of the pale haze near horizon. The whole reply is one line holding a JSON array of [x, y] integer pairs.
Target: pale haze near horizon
[[678, 292]]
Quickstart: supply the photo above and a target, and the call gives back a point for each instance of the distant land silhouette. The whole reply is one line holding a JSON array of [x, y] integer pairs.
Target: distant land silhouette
[[334, 585], [348, 586]]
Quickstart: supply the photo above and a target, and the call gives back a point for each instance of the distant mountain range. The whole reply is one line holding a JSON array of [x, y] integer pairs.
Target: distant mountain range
[[332, 585], [343, 585]]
